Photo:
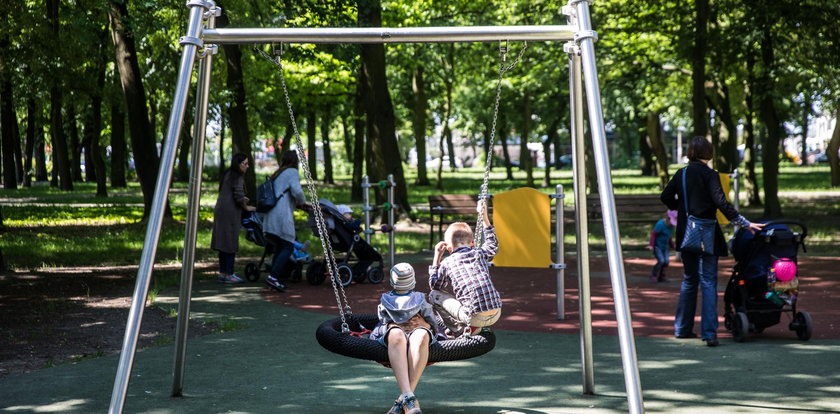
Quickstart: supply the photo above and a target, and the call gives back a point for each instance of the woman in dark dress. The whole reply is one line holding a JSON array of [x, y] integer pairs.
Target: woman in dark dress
[[227, 217]]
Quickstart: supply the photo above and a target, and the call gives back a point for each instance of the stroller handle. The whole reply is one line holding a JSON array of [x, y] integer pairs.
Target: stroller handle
[[798, 223], [801, 225]]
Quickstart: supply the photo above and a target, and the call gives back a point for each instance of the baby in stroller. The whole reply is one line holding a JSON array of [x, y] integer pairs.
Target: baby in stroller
[[764, 282], [254, 233], [362, 261]]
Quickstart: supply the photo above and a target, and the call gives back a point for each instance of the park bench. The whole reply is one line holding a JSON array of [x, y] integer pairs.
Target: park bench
[[629, 207], [449, 208]]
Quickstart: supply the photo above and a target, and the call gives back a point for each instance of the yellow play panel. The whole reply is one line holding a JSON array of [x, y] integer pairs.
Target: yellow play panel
[[523, 226], [725, 183]]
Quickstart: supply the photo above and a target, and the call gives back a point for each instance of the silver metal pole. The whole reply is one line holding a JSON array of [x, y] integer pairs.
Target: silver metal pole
[[391, 244], [202, 97], [736, 187], [366, 207], [389, 35], [585, 39], [581, 215], [141, 289], [559, 265]]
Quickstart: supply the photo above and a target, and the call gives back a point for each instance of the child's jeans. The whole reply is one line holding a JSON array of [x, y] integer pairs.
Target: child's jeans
[[662, 260], [456, 316]]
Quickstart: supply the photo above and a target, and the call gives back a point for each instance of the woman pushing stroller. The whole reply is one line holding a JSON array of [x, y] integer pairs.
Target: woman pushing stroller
[[279, 222], [696, 190]]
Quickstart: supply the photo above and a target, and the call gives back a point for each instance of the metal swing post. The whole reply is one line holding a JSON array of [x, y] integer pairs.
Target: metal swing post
[[581, 224], [192, 42], [585, 39], [202, 97]]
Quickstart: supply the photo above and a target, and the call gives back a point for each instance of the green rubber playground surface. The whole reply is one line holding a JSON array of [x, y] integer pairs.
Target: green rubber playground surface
[[275, 365]]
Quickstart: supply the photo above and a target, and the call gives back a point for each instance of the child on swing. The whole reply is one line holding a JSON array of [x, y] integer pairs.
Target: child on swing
[[405, 326], [461, 290]]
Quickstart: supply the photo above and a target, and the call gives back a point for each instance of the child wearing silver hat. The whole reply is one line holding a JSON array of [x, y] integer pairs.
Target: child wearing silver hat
[[406, 326]]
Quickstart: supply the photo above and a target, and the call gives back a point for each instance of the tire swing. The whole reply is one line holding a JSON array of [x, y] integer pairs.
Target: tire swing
[[345, 335]]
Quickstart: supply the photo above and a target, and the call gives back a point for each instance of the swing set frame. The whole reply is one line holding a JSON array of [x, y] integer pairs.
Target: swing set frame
[[201, 43]]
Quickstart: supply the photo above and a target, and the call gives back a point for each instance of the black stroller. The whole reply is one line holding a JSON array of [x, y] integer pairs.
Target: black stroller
[[362, 261], [293, 271], [755, 298]]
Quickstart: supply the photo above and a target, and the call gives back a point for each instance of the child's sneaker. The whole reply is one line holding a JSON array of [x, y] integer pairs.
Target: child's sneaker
[[234, 280], [411, 406], [275, 283], [397, 408], [306, 245]]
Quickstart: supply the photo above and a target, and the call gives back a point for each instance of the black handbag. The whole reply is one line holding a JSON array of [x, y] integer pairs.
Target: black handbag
[[699, 234]]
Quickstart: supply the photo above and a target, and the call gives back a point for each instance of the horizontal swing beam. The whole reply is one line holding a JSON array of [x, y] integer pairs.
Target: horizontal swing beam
[[389, 35]]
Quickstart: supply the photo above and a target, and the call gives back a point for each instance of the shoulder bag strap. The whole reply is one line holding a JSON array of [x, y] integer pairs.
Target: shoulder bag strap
[[685, 193]]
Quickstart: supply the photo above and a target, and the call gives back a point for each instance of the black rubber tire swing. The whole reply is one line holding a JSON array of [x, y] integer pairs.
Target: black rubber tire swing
[[330, 337]]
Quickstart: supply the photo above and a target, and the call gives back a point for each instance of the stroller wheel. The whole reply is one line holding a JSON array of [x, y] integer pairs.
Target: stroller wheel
[[803, 325], [297, 273], [252, 272], [740, 327], [345, 274], [375, 274], [316, 273], [727, 321]]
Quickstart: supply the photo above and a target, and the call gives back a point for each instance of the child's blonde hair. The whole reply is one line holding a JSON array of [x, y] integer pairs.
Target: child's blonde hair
[[458, 234]]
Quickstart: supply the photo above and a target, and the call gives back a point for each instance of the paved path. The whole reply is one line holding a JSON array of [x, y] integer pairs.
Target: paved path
[[274, 365]]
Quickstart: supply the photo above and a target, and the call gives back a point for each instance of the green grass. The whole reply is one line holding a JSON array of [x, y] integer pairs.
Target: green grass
[[46, 227]]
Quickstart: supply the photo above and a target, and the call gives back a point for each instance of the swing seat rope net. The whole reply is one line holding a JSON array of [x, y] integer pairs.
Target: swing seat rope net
[[331, 337]]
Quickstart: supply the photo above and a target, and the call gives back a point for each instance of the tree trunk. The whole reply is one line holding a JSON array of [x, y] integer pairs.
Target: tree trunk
[[183, 174], [726, 148], [118, 145], [238, 111], [359, 146], [503, 136], [222, 129], [654, 138], [40, 155], [418, 86], [17, 151], [146, 161], [379, 108], [75, 146], [831, 152], [348, 138], [698, 66], [29, 151], [450, 80], [750, 154], [93, 150], [551, 138], [7, 121], [775, 130], [525, 160], [61, 161], [806, 115], [646, 162], [326, 118], [439, 170], [311, 148]]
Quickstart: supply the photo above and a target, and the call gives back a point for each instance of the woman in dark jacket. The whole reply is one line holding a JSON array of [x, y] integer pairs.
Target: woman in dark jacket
[[705, 196], [227, 217]]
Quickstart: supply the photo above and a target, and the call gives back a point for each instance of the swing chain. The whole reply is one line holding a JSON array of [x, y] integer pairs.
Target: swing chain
[[482, 197], [344, 310]]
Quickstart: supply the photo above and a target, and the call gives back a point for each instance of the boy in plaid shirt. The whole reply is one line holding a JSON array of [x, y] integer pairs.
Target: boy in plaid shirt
[[461, 290]]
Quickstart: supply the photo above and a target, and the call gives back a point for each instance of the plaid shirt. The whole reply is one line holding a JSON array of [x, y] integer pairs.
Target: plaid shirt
[[467, 274]]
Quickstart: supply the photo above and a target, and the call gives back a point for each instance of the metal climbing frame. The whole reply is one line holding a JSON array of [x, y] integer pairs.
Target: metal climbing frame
[[200, 43]]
